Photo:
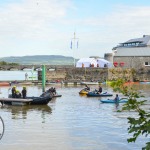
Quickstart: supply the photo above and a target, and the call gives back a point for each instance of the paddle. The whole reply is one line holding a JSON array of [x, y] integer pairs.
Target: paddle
[[123, 98], [110, 99]]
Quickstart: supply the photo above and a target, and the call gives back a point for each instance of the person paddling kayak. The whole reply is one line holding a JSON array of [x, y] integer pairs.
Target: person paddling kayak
[[117, 100], [87, 88]]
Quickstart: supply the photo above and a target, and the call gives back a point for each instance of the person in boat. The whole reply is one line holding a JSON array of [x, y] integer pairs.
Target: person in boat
[[99, 90], [24, 92], [116, 99], [13, 92], [87, 88], [18, 94], [52, 90]]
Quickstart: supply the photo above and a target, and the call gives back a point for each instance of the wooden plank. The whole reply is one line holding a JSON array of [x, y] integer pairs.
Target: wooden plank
[[15, 100]]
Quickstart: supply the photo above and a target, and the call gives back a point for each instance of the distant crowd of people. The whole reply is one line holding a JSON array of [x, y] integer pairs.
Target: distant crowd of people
[[92, 65]]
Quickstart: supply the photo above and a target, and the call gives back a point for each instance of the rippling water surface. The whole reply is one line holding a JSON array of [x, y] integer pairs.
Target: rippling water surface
[[71, 122]]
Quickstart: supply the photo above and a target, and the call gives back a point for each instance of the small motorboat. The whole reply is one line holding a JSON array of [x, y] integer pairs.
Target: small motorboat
[[95, 94], [113, 101], [89, 83], [40, 100]]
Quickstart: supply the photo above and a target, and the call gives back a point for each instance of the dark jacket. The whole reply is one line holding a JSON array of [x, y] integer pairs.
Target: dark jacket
[[100, 89], [24, 93], [13, 91]]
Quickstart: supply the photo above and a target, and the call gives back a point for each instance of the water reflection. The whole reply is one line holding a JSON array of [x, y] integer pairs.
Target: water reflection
[[75, 122], [23, 111], [82, 95]]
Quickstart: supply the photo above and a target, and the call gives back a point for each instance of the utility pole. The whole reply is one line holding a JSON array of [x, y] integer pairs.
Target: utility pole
[[43, 77], [75, 46]]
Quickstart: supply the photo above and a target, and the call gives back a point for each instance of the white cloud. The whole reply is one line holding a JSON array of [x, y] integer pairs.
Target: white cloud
[[118, 26], [121, 15], [31, 18], [49, 27]]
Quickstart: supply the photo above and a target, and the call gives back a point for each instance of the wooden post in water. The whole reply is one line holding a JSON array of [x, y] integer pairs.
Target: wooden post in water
[[43, 77]]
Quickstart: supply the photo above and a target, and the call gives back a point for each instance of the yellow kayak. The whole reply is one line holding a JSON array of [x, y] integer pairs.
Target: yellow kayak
[[83, 92]]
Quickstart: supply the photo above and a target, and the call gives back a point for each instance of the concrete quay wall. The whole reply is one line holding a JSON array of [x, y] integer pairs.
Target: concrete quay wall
[[96, 74], [76, 74], [72, 74]]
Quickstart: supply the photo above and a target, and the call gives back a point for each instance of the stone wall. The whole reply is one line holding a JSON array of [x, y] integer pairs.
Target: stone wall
[[97, 74], [129, 74], [59, 74], [76, 74], [132, 61], [142, 72], [116, 73]]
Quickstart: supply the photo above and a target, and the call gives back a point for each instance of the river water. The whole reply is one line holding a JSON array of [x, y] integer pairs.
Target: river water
[[71, 122]]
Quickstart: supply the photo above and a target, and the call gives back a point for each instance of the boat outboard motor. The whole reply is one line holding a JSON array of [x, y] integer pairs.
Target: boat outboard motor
[[46, 94]]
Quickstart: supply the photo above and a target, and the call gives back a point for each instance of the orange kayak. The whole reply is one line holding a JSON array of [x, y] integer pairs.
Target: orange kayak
[[4, 84]]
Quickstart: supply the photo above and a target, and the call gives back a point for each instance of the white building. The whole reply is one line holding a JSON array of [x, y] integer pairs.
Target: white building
[[134, 53]]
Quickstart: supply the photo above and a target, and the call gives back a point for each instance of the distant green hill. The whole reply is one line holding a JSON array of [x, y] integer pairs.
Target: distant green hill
[[40, 59]]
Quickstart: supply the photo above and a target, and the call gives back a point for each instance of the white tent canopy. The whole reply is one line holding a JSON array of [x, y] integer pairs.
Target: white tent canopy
[[104, 63], [86, 62]]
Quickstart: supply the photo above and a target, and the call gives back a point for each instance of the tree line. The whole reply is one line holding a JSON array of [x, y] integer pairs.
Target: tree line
[[7, 63]]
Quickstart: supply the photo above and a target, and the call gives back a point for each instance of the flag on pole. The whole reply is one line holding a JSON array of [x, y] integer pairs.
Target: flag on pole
[[71, 45]]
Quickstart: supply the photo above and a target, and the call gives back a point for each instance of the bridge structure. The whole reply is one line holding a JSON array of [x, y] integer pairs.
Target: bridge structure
[[33, 67]]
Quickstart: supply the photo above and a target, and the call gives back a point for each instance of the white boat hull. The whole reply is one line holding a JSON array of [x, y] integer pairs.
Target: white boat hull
[[89, 83]]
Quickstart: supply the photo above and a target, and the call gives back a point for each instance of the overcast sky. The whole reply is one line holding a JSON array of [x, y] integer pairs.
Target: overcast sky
[[46, 27]]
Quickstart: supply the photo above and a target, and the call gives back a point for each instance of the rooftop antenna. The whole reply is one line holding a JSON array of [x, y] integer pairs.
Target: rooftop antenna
[[74, 45]]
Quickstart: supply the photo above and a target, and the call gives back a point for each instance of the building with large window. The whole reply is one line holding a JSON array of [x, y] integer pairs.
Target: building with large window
[[134, 53]]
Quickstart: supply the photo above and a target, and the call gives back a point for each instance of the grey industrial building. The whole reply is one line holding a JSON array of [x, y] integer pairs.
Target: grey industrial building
[[134, 53]]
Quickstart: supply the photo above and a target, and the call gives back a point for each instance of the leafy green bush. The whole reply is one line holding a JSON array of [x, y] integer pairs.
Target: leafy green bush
[[141, 124]]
